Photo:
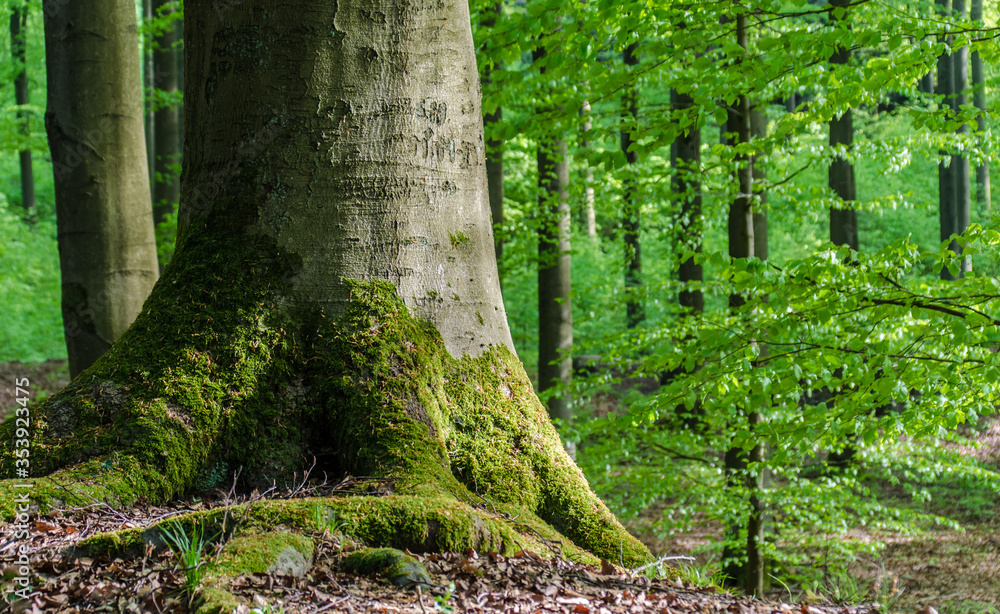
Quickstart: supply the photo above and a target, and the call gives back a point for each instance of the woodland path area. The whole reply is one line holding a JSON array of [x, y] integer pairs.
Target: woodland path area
[[950, 571]]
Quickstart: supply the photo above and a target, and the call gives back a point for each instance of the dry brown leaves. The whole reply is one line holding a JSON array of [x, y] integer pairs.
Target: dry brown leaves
[[465, 582]]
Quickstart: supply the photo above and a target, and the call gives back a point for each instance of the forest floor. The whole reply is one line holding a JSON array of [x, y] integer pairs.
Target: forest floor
[[955, 572]]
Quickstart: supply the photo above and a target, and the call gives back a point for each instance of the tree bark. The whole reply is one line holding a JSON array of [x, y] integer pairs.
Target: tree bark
[[960, 163], [107, 252], [947, 205], [685, 159], [635, 313], [758, 130], [843, 220], [167, 147], [741, 245], [983, 197], [18, 22], [494, 153], [149, 85], [555, 312], [333, 294]]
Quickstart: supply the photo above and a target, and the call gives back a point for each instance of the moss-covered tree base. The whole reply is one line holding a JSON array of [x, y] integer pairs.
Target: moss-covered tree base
[[189, 395], [277, 536]]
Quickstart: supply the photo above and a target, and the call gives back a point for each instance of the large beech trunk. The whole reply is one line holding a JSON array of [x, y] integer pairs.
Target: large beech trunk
[[334, 293]]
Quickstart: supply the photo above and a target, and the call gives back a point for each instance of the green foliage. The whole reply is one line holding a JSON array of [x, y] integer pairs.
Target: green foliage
[[31, 326], [190, 552]]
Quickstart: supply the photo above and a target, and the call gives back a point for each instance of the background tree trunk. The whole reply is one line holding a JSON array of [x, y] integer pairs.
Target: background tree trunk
[[494, 153], [685, 158], [741, 245], [149, 85], [631, 214], [843, 221], [587, 174], [555, 311], [979, 99], [167, 147], [107, 252], [947, 205], [960, 163], [18, 22]]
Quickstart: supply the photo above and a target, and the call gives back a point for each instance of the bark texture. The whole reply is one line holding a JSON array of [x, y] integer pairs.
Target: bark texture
[[18, 22], [94, 122]]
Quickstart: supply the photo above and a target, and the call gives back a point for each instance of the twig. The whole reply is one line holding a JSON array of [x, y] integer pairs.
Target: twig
[[420, 599]]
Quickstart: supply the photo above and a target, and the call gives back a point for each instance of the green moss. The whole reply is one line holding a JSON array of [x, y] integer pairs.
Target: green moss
[[393, 565], [219, 374], [260, 553]]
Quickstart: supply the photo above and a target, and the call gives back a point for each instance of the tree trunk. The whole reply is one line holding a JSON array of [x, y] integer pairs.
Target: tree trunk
[[979, 100], [741, 245], [758, 130], [333, 295], [494, 180], [149, 85], [960, 163], [685, 159], [494, 152], [947, 205], [107, 252], [18, 22], [589, 214], [166, 189], [631, 214], [843, 221], [555, 312]]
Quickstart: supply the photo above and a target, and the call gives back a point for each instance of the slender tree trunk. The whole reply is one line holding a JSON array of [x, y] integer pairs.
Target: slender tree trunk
[[179, 54], [149, 85], [947, 205], [494, 153], [166, 190], [979, 99], [843, 221], [18, 22], [555, 311], [755, 481], [758, 130], [791, 103], [589, 214], [741, 245], [495, 179], [963, 196], [107, 252], [631, 215], [927, 83], [685, 159]]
